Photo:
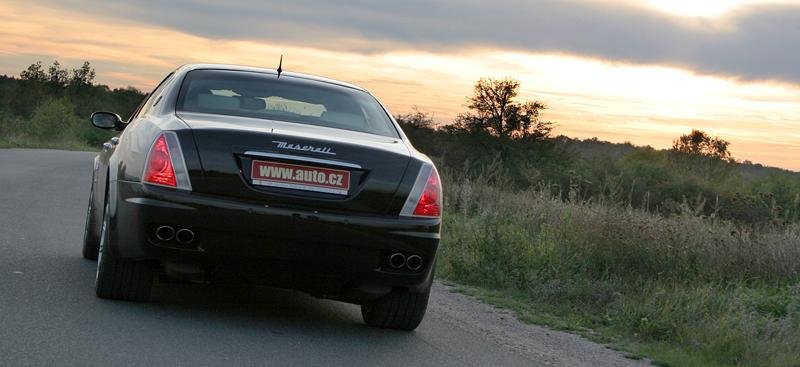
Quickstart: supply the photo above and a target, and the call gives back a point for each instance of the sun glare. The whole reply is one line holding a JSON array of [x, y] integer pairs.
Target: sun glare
[[704, 8]]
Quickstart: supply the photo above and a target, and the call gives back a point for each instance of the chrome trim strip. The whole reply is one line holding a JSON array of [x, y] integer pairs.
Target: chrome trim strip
[[416, 190], [288, 185], [153, 202], [302, 158]]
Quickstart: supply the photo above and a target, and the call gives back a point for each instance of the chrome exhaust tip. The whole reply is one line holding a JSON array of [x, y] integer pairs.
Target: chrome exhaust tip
[[165, 233], [397, 260], [184, 236], [414, 262]]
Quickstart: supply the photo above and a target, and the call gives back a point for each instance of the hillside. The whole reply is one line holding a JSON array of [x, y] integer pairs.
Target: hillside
[[590, 148], [660, 181]]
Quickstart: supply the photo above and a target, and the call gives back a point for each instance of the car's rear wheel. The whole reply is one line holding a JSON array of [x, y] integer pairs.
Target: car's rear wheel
[[90, 241], [122, 280], [400, 309]]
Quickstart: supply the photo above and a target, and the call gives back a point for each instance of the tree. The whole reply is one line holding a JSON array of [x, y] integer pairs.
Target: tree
[[494, 108], [416, 119], [57, 75], [34, 72], [699, 143], [707, 156], [82, 76], [524, 120]]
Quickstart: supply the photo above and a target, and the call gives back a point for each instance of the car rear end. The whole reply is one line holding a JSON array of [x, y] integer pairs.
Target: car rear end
[[289, 182]]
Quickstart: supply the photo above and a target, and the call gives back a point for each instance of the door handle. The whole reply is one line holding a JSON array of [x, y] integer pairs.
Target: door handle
[[114, 140], [107, 146]]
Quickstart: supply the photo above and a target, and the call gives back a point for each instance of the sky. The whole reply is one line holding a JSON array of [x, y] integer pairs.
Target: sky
[[640, 71]]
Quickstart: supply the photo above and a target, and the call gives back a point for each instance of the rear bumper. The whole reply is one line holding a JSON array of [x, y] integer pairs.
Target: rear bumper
[[329, 255]]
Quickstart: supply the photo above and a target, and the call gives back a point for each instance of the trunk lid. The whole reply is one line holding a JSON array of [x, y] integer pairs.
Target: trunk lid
[[292, 165]]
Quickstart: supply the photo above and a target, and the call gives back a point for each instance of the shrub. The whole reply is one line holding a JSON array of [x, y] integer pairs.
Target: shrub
[[52, 119]]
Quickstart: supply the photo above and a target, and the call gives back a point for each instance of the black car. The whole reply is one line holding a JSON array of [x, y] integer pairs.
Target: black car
[[245, 175]]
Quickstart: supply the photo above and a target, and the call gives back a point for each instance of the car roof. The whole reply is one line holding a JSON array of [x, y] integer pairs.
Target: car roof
[[190, 67]]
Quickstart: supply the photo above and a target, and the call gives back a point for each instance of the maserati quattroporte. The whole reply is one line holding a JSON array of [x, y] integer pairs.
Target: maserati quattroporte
[[245, 175]]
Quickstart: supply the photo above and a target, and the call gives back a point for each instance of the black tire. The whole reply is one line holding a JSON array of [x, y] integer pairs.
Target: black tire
[[400, 310], [122, 280], [91, 243]]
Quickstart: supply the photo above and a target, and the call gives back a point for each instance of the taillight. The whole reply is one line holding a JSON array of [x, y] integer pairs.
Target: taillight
[[159, 169], [430, 202], [425, 199], [165, 165]]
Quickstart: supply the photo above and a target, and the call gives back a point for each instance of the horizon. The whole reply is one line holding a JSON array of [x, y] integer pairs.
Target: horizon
[[717, 66]]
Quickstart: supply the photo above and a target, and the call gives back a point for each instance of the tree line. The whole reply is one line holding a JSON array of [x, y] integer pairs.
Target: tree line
[[48, 106]]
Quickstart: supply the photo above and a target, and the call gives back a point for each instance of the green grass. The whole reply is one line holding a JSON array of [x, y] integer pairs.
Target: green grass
[[27, 142], [679, 326], [684, 290]]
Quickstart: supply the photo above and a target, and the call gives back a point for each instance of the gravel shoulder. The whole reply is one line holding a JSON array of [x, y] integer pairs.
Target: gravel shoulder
[[502, 328]]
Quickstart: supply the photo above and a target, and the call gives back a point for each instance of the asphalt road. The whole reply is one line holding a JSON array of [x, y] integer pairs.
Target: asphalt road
[[49, 314]]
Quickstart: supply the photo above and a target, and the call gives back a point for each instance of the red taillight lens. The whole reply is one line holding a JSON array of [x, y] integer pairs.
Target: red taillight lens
[[430, 202], [159, 168]]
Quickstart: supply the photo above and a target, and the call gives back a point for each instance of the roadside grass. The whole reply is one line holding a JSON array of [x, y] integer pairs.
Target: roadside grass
[[15, 141], [683, 290]]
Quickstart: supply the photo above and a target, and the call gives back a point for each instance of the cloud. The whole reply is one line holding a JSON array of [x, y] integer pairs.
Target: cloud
[[756, 42], [435, 70]]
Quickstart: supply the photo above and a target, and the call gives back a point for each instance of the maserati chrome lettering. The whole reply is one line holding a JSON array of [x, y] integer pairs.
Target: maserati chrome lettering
[[303, 148]]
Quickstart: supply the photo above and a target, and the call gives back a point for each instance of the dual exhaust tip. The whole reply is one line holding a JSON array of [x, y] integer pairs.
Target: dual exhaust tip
[[398, 261], [184, 236]]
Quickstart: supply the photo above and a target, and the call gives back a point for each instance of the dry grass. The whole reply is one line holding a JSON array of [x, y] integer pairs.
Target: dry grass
[[686, 289]]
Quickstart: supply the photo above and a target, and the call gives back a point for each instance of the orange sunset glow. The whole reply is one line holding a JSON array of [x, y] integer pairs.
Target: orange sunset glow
[[601, 89]]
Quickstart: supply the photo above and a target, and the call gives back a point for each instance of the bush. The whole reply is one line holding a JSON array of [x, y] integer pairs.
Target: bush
[[52, 119], [782, 193], [9, 124]]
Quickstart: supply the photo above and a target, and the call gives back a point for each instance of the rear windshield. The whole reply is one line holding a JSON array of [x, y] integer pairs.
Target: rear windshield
[[291, 99]]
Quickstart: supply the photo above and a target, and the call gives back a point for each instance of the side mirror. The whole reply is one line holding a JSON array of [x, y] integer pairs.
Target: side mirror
[[107, 120]]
